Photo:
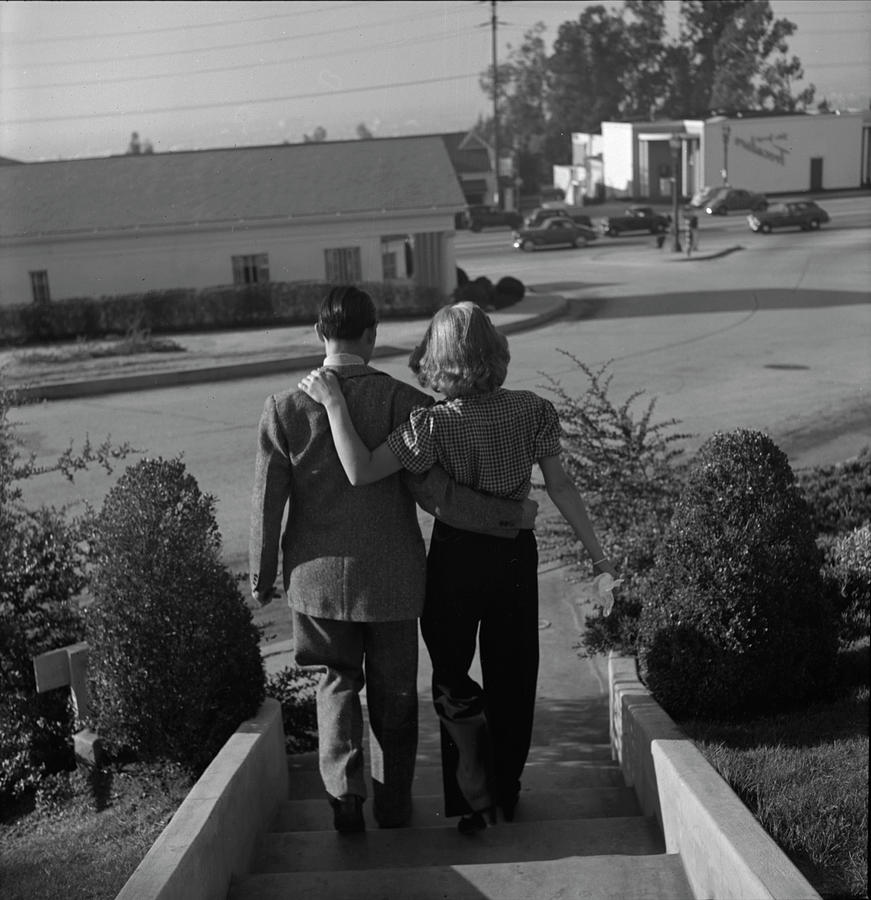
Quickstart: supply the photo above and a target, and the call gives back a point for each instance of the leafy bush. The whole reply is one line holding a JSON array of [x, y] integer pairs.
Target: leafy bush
[[175, 663], [629, 470], [508, 291], [41, 574], [848, 573], [43, 560], [736, 619], [839, 496], [295, 689]]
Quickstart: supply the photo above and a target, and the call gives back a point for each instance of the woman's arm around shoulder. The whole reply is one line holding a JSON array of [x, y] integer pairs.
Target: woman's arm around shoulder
[[361, 465]]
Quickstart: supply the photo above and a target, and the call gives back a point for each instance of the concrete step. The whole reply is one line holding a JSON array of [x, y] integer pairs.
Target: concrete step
[[308, 851], [577, 803], [601, 877], [305, 781]]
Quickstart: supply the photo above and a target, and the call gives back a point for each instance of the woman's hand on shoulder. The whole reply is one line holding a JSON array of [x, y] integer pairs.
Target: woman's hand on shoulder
[[322, 386]]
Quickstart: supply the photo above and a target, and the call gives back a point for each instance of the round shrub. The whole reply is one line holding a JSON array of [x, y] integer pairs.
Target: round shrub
[[848, 572], [736, 621], [508, 291], [175, 663], [477, 291]]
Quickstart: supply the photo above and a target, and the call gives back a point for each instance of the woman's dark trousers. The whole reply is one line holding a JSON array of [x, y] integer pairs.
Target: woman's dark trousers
[[475, 580]]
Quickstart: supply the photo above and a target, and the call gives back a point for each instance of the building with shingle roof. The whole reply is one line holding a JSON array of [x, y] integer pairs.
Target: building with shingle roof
[[331, 211]]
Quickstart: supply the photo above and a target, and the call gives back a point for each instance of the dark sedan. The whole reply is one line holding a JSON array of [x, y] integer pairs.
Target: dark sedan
[[728, 200], [479, 217], [803, 214], [553, 232], [636, 218]]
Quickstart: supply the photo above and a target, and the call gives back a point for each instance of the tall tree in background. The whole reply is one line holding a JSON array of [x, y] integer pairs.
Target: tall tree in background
[[644, 80], [588, 60], [522, 90], [619, 65], [727, 49]]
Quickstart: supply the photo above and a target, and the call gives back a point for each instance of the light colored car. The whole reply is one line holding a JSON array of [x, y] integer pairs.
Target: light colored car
[[553, 232], [803, 214]]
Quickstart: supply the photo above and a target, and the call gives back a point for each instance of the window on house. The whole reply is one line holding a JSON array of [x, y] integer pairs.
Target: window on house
[[388, 266], [343, 265], [39, 286], [252, 269]]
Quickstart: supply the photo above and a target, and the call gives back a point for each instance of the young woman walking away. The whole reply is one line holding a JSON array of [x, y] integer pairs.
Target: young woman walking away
[[488, 438]]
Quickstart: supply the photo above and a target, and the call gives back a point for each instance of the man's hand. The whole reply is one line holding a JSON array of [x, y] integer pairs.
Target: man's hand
[[322, 386], [530, 511]]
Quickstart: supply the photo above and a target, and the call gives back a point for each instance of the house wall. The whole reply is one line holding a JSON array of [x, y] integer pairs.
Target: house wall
[[618, 158], [773, 155], [196, 258]]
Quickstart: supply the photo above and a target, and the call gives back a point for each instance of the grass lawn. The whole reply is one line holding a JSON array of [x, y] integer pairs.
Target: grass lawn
[[84, 841], [804, 775]]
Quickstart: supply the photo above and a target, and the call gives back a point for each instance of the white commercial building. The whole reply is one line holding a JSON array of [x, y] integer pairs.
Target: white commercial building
[[771, 154]]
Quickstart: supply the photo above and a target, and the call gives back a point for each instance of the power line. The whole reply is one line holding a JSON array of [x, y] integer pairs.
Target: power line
[[258, 64], [225, 103], [235, 46], [142, 31]]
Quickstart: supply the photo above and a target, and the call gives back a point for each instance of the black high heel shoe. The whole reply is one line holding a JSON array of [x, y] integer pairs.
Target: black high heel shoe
[[474, 822]]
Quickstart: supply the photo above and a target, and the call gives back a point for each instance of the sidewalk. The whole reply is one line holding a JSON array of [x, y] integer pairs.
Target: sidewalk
[[224, 355]]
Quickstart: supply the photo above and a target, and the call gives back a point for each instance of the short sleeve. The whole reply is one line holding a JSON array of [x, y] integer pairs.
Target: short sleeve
[[548, 437], [413, 442]]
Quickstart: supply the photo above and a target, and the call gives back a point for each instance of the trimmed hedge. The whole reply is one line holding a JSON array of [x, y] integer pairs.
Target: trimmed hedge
[[175, 662], [213, 308], [737, 620]]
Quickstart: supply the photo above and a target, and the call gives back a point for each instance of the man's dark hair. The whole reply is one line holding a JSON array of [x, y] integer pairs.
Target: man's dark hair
[[345, 313]]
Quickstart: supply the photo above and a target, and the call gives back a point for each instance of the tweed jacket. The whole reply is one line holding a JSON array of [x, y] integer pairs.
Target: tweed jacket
[[350, 553]]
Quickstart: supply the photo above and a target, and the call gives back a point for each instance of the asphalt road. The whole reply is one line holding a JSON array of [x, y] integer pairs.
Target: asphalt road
[[774, 337]]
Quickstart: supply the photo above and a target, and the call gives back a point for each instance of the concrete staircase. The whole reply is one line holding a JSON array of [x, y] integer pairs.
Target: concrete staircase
[[578, 830]]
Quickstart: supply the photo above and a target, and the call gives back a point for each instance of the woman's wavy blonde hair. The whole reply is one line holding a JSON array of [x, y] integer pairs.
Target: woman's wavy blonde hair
[[461, 353]]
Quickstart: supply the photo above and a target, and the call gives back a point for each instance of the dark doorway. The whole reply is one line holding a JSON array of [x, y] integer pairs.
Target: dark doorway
[[816, 173]]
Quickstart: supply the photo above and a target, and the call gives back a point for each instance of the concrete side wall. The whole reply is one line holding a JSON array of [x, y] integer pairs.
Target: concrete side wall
[[213, 833], [774, 155], [97, 265], [725, 852]]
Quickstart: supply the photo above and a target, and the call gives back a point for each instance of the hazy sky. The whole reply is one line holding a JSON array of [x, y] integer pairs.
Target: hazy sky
[[76, 78]]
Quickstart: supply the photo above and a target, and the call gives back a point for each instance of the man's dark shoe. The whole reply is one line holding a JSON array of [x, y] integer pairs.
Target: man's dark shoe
[[348, 813]]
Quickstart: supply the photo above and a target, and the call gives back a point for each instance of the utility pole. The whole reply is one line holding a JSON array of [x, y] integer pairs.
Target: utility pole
[[494, 20]]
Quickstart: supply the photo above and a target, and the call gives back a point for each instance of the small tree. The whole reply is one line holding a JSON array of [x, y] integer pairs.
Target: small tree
[[629, 469], [735, 619], [175, 661]]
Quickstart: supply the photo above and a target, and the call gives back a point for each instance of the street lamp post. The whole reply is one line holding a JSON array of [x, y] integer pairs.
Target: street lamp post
[[674, 142], [726, 132]]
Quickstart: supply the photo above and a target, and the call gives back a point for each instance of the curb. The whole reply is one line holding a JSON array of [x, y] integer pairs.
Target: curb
[[725, 852], [145, 381], [213, 833], [704, 257]]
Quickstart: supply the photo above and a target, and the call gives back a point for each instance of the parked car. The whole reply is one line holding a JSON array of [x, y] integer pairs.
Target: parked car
[[479, 217], [553, 232], [542, 214], [803, 214], [727, 200], [636, 218], [700, 198]]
